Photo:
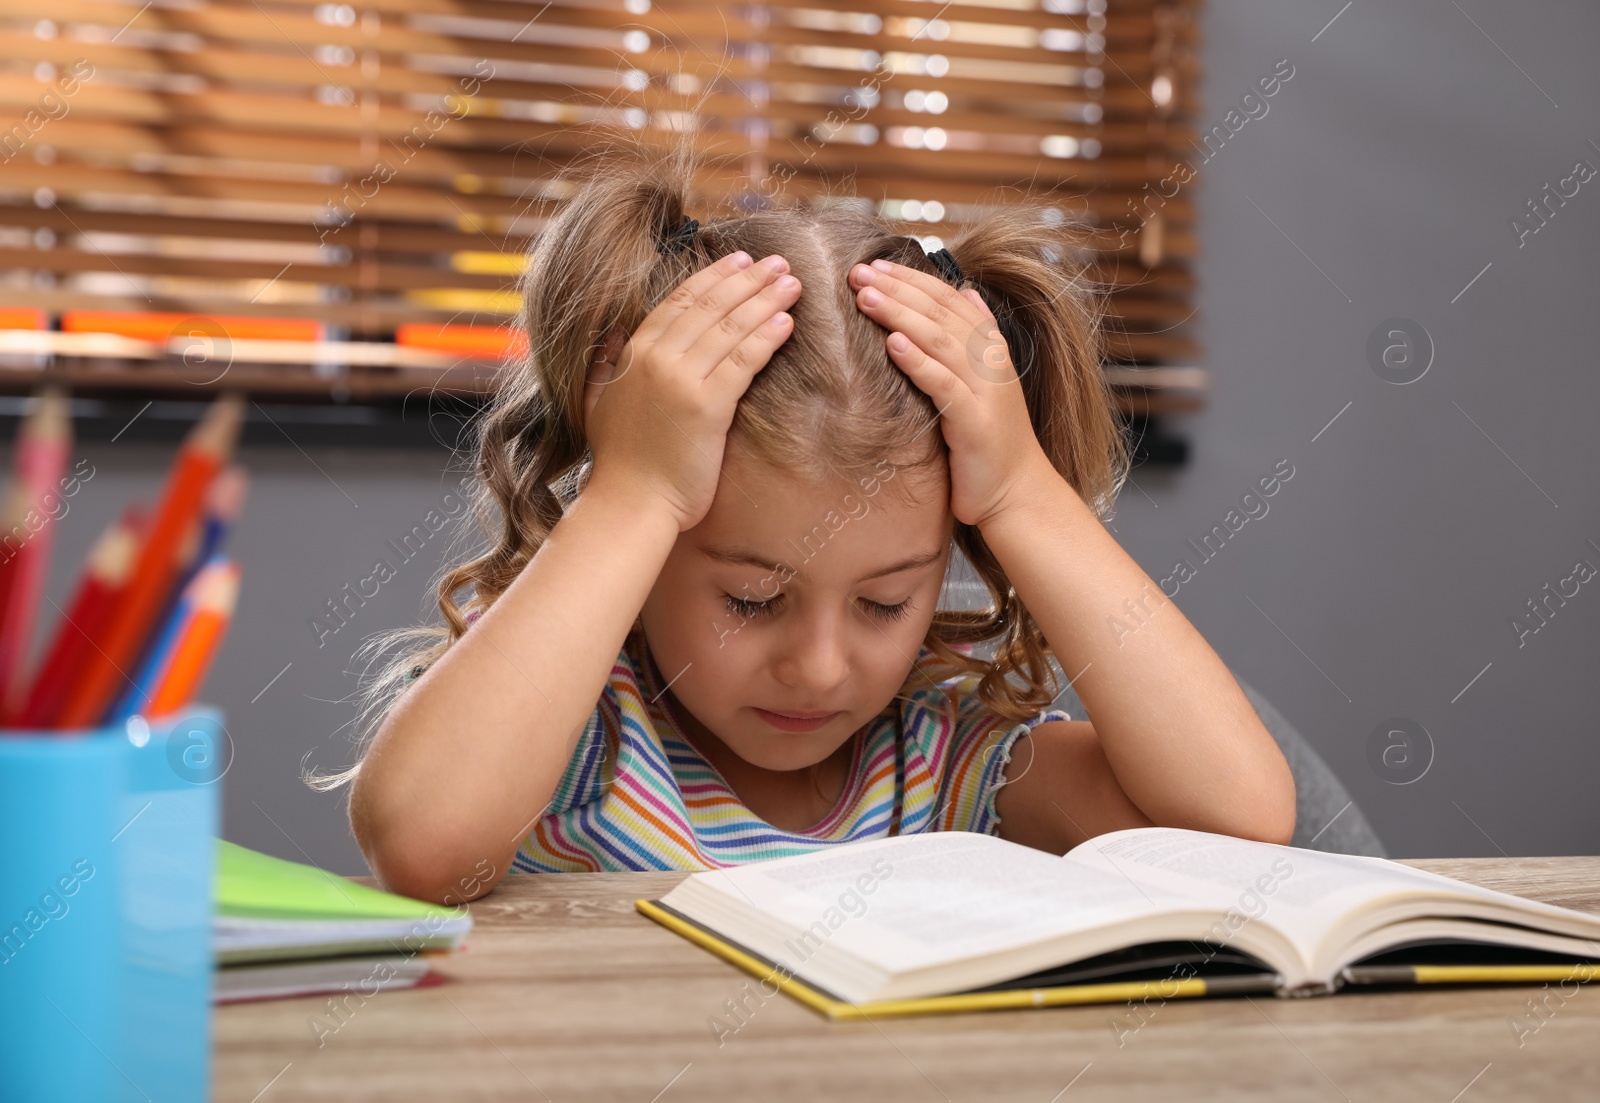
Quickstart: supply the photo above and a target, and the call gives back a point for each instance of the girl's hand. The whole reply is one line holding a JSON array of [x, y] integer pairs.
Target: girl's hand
[[657, 409], [949, 343]]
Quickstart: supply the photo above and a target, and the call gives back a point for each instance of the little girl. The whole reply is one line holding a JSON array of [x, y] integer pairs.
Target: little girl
[[726, 482]]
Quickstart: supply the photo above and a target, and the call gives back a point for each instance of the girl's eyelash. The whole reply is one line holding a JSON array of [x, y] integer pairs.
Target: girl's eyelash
[[749, 609], [745, 609], [891, 612]]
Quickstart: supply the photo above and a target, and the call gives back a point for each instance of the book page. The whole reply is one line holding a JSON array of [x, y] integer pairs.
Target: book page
[[1303, 893], [921, 899]]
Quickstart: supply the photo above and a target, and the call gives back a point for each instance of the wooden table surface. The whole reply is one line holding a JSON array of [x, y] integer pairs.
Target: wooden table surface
[[565, 992]]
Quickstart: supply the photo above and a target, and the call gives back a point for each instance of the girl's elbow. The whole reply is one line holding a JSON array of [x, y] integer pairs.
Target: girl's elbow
[[408, 878], [1262, 810], [424, 865], [1272, 812], [1275, 828], [432, 875], [1267, 805]]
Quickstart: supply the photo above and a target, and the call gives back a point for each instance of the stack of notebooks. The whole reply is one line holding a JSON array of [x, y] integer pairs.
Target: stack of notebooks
[[281, 928], [957, 921]]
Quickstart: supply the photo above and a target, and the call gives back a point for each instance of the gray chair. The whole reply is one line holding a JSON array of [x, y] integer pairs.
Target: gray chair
[[1326, 818]]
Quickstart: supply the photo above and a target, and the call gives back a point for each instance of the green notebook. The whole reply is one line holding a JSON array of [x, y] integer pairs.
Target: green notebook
[[271, 909]]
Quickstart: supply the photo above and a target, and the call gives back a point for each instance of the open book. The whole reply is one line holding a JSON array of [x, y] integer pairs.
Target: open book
[[957, 921]]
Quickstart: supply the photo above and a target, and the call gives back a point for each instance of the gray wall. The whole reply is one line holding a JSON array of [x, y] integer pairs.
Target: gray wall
[[1383, 576]]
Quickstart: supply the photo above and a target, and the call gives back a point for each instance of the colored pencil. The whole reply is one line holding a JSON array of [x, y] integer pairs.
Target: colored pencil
[[224, 503], [224, 500], [202, 455], [106, 570], [41, 454], [12, 521], [205, 612], [128, 688], [158, 656]]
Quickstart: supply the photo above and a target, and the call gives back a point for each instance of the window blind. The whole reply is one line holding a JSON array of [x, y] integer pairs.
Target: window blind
[[335, 199]]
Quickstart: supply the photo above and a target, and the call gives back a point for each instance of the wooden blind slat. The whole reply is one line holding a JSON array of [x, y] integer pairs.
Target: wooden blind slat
[[691, 30], [233, 126]]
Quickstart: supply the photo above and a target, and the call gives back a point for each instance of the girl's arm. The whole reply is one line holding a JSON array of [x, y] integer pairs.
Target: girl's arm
[[471, 754], [472, 751], [1174, 740], [1172, 730]]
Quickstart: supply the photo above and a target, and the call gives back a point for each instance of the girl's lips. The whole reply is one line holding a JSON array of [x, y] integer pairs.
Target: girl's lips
[[789, 723]]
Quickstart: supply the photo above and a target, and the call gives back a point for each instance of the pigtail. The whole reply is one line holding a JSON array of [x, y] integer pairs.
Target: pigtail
[[596, 268], [1031, 272], [1032, 275], [616, 247]]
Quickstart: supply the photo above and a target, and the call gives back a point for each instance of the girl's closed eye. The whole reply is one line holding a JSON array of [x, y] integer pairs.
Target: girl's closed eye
[[748, 609]]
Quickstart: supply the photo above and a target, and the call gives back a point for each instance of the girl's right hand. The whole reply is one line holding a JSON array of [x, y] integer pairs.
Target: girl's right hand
[[657, 410]]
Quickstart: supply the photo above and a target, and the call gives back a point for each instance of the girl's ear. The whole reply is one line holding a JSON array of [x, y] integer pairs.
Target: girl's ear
[[602, 368]]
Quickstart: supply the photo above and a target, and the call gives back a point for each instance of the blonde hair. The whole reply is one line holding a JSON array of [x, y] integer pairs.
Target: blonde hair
[[829, 404]]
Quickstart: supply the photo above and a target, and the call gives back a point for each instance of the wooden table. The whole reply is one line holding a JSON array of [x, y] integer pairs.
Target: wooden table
[[565, 992]]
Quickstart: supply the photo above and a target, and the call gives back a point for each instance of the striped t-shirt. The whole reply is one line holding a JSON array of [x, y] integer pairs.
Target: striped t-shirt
[[637, 795]]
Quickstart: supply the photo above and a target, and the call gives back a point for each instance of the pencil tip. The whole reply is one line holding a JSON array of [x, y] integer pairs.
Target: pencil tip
[[50, 417], [225, 498], [217, 431], [216, 585]]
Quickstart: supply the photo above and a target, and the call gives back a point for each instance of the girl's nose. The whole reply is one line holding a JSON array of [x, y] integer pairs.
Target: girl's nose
[[815, 661]]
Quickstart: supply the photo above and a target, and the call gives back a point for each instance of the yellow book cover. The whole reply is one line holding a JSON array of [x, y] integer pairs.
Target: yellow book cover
[[770, 973]]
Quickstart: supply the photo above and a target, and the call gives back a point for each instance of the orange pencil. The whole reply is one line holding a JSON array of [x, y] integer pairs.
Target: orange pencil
[[203, 454], [106, 570], [208, 606], [41, 454]]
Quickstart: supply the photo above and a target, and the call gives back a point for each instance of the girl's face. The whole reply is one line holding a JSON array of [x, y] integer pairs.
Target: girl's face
[[797, 598]]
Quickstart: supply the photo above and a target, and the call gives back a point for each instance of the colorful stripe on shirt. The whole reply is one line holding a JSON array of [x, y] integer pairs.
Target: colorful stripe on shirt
[[637, 795]]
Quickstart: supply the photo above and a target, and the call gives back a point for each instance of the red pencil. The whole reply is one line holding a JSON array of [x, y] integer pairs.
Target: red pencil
[[104, 574], [203, 454], [11, 519]]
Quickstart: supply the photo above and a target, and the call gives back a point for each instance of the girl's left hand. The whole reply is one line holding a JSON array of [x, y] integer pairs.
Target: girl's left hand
[[949, 343]]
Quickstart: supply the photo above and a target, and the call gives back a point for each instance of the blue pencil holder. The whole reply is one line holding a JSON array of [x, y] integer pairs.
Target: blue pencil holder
[[107, 863]]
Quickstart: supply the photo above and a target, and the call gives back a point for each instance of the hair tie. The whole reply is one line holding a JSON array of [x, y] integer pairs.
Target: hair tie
[[946, 263], [679, 239]]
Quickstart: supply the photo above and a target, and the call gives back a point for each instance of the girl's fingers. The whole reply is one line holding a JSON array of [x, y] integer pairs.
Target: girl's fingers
[[933, 378], [735, 370], [720, 340], [710, 306], [919, 290], [931, 313], [886, 307], [684, 295]]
